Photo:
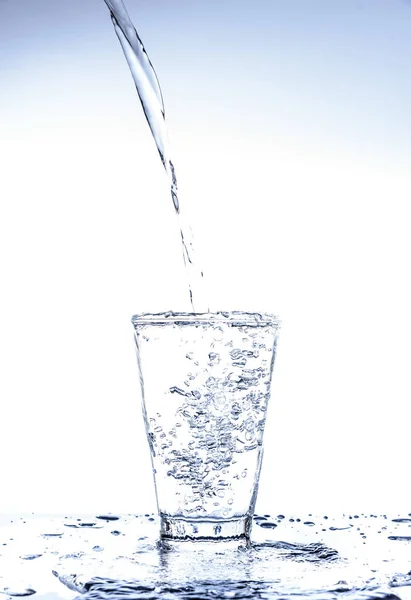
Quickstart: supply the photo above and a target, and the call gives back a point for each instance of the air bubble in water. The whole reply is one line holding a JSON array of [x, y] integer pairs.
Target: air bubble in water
[[214, 359]]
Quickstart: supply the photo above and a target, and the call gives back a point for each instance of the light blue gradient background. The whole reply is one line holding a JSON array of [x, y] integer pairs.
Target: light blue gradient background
[[291, 125]]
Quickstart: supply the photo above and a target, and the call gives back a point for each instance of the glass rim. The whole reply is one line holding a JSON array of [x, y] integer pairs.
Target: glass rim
[[233, 318]]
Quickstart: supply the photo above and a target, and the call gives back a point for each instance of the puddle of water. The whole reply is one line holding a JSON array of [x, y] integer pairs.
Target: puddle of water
[[290, 556]]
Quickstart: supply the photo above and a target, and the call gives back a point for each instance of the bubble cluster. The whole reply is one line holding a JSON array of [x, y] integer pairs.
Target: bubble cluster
[[205, 408]]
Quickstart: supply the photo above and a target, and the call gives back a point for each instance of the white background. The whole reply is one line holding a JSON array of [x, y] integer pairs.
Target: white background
[[291, 129]]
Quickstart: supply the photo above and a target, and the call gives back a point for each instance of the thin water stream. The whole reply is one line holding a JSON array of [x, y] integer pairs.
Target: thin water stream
[[149, 92]]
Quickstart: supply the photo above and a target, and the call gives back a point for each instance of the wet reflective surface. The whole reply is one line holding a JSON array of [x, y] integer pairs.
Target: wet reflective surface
[[290, 556]]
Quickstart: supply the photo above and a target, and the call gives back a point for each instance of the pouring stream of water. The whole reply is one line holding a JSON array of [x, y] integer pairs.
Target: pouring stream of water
[[151, 98]]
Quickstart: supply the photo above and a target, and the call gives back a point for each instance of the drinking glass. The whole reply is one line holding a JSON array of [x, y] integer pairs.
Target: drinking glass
[[205, 381]]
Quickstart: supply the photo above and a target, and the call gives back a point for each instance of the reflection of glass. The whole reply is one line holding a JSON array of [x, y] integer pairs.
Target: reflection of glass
[[199, 567], [205, 382]]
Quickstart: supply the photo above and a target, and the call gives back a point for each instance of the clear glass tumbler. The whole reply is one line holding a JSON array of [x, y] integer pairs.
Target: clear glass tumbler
[[205, 381]]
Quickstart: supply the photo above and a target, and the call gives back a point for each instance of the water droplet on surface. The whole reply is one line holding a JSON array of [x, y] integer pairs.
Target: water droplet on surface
[[267, 525], [15, 592], [401, 520], [84, 525], [98, 548], [108, 517], [75, 555], [30, 556]]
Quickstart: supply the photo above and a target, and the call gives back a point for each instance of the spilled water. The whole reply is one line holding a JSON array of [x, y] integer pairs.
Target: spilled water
[[149, 92], [109, 557]]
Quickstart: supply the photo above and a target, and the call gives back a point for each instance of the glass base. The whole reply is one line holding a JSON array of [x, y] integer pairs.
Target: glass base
[[179, 528]]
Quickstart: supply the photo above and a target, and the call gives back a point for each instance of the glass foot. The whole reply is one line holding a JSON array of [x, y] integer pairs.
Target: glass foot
[[178, 528]]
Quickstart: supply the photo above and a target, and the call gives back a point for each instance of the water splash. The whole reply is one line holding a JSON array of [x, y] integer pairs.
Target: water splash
[[134, 590], [291, 562], [149, 92]]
